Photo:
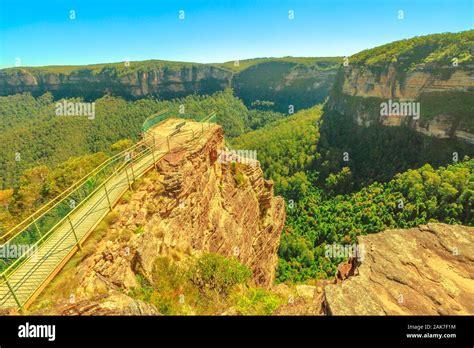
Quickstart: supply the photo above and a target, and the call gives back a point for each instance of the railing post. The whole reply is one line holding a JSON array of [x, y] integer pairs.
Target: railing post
[[131, 166], [128, 179], [153, 152], [108, 199], [13, 292], [133, 173], [74, 232], [36, 226]]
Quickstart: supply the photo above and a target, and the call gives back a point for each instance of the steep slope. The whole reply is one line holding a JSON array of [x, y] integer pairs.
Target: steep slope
[[285, 83], [194, 203], [286, 149], [132, 80], [428, 270], [301, 82], [400, 106], [435, 70]]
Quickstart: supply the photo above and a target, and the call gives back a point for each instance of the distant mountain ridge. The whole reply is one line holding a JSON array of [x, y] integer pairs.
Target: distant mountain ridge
[[297, 81], [435, 70]]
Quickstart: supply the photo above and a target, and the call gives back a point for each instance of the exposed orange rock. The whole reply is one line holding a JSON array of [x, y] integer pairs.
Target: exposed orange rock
[[427, 270], [191, 205], [387, 83]]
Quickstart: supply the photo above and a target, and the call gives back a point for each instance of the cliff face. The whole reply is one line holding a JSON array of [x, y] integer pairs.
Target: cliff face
[[160, 82], [428, 270], [445, 95], [194, 203], [285, 84], [388, 83]]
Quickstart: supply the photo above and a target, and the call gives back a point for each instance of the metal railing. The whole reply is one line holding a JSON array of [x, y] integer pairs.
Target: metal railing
[[78, 209], [154, 119]]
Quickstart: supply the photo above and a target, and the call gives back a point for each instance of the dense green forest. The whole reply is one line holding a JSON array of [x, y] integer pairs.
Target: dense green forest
[[287, 150], [377, 153], [326, 203], [40, 184], [46, 153], [414, 197], [317, 62], [276, 83], [339, 180], [36, 136], [279, 84], [437, 49], [332, 198], [120, 68]]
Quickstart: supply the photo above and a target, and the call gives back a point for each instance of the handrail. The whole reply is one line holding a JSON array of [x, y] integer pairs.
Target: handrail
[[13, 267], [153, 119], [27, 221], [139, 151], [159, 113], [208, 117], [49, 233]]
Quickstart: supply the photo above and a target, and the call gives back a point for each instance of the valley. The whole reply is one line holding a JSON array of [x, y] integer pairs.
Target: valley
[[204, 234]]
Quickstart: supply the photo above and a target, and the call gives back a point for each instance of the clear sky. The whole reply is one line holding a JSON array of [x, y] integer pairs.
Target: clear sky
[[40, 32]]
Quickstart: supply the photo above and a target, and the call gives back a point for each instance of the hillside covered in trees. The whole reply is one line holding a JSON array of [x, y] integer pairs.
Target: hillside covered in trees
[[415, 197], [37, 136], [269, 83], [435, 49], [340, 178]]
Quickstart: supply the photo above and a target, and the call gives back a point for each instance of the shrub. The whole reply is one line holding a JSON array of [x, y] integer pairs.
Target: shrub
[[257, 301], [212, 272]]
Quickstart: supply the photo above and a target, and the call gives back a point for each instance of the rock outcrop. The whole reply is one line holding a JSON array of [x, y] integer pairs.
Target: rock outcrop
[[90, 83], [445, 95], [192, 204], [112, 303], [284, 83], [428, 270], [302, 300]]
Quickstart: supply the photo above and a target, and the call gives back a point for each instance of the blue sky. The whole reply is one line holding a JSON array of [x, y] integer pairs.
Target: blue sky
[[41, 32]]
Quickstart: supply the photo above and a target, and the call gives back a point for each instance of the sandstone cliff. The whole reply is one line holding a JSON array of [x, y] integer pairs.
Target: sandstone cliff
[[87, 82], [194, 203], [428, 270], [436, 71], [275, 80], [286, 83], [445, 95]]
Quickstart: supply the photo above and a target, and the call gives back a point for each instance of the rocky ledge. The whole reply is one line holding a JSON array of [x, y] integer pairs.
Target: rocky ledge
[[427, 270], [193, 203]]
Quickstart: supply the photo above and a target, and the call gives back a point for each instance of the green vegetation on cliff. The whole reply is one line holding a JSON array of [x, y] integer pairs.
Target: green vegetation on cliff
[[321, 63], [281, 84], [113, 69], [318, 184], [298, 81], [412, 198], [437, 49], [34, 135], [286, 150], [205, 285], [377, 153]]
